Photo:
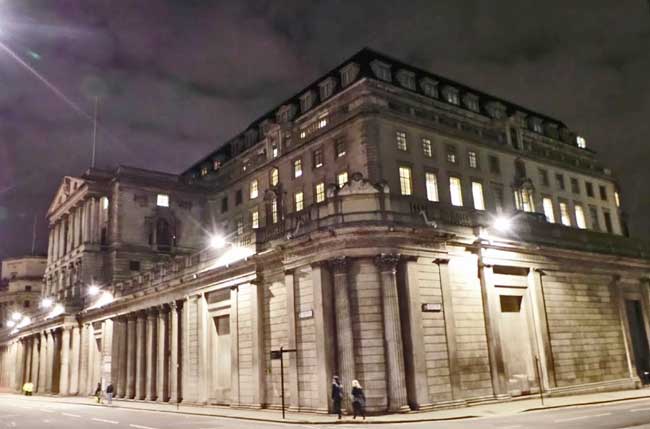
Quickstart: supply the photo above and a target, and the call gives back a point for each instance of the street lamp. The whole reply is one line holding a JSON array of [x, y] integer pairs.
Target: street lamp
[[93, 290], [16, 316], [502, 224], [218, 241], [47, 303]]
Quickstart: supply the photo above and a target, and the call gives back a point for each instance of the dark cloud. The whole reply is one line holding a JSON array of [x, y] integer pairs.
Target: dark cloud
[[177, 77]]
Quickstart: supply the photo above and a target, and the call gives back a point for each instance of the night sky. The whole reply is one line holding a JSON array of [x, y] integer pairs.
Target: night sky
[[177, 78]]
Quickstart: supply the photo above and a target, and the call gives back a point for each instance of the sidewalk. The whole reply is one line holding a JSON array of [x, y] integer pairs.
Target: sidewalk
[[485, 410]]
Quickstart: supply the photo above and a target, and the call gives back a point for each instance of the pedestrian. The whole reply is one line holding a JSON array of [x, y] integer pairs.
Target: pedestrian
[[29, 388], [109, 393], [337, 395], [358, 400], [98, 393]]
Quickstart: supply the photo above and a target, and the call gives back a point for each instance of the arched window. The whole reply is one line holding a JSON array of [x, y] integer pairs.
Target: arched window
[[163, 234]]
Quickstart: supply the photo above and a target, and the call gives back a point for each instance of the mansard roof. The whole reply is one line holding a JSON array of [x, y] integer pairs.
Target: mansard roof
[[365, 59]]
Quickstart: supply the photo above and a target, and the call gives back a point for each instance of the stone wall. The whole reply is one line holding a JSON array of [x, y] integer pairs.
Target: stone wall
[[275, 332], [305, 339]]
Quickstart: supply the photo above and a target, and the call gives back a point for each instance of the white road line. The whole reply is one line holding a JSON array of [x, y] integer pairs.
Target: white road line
[[581, 418], [141, 427], [71, 415], [511, 427], [105, 421], [636, 410]]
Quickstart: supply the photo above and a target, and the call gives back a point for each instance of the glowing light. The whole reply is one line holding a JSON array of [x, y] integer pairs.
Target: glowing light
[[24, 322], [217, 242], [234, 254], [104, 299], [502, 224], [10, 323], [47, 302], [93, 290], [58, 309], [16, 316]]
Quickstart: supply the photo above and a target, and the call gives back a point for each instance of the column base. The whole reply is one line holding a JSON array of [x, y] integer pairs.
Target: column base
[[401, 409]]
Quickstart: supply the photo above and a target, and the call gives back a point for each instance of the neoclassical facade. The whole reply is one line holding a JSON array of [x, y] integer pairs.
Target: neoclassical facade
[[440, 245]]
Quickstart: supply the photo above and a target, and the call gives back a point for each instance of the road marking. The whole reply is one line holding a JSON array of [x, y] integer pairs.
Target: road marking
[[113, 422], [636, 410], [511, 427], [581, 418], [70, 415], [141, 427]]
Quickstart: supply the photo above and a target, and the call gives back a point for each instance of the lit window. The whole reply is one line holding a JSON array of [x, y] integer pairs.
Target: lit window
[[472, 159], [342, 179], [275, 151], [537, 127], [274, 210], [617, 199], [318, 158], [105, 203], [477, 194], [456, 192], [162, 200], [580, 217], [582, 143], [548, 209], [340, 148], [320, 192], [432, 186], [240, 226], [451, 95], [524, 200], [275, 176], [297, 168], [322, 121], [254, 189], [204, 171], [255, 219], [216, 164], [564, 214], [405, 184], [303, 134], [426, 148], [299, 201], [401, 140], [451, 154]]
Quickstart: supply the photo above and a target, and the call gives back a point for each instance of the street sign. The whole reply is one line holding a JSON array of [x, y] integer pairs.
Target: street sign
[[276, 354]]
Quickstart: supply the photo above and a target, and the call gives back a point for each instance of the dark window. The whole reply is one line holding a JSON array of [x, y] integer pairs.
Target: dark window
[[510, 303], [104, 237], [590, 189], [514, 138], [224, 204], [559, 179], [134, 265], [28, 288], [163, 234], [340, 148], [26, 304], [575, 187], [495, 167], [543, 176], [238, 197], [603, 193], [520, 168], [608, 222], [317, 158], [593, 214]]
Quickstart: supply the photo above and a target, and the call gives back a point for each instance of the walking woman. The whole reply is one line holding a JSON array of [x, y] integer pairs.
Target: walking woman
[[358, 400], [337, 395]]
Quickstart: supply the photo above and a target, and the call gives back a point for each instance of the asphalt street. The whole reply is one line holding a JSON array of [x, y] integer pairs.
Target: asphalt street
[[35, 413]]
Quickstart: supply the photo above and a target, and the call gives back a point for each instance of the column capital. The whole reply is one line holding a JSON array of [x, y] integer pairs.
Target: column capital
[[339, 264], [163, 308], [387, 261], [152, 313], [441, 261]]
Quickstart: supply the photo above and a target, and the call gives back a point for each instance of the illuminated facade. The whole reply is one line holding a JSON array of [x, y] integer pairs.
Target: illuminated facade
[[438, 244]]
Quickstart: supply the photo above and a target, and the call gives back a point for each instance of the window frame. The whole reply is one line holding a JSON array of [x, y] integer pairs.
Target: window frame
[[405, 181]]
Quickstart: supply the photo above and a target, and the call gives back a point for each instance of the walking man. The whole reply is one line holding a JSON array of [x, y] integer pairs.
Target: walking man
[[109, 393], [337, 395]]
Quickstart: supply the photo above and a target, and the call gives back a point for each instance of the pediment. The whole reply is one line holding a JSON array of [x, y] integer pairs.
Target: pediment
[[67, 188]]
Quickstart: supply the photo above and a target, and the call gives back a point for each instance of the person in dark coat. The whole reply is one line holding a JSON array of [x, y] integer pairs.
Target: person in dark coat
[[337, 395], [109, 393], [358, 400], [98, 393]]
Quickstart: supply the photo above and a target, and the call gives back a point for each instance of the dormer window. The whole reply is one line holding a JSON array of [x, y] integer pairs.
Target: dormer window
[[216, 164], [581, 142], [162, 200], [285, 113], [496, 110], [327, 88], [429, 87], [451, 95], [471, 102], [306, 101], [406, 79], [536, 125], [381, 70], [204, 170], [349, 73]]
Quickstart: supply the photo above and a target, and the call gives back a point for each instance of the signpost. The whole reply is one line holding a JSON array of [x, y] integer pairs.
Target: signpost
[[279, 354]]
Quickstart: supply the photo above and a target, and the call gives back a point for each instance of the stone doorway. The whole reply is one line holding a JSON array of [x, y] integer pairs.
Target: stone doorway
[[639, 339], [221, 358]]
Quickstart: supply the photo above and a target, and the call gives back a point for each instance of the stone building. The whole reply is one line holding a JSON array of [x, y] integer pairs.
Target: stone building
[[439, 244], [20, 287]]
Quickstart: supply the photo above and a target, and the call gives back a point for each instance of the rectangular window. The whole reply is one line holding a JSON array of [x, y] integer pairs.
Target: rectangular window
[[590, 189], [543, 177], [317, 157], [240, 226], [564, 214], [274, 210], [254, 189], [524, 200], [593, 218], [401, 140], [559, 181], [432, 186], [608, 222], [451, 154], [477, 194], [275, 152], [575, 186], [342, 179], [340, 148], [580, 217], [455, 191], [547, 203], [427, 150], [603, 193], [162, 200], [255, 219], [224, 204], [617, 199], [297, 168], [134, 265], [472, 159], [499, 202], [320, 192], [405, 182], [298, 200], [495, 167], [239, 197], [275, 176]]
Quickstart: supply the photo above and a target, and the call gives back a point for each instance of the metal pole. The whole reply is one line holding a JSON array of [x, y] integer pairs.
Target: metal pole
[[539, 380], [92, 160], [282, 377]]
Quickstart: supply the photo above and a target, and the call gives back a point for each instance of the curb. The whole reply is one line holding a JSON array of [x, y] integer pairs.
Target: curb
[[583, 404]]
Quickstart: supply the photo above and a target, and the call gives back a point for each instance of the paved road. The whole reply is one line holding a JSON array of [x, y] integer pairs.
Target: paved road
[[33, 413]]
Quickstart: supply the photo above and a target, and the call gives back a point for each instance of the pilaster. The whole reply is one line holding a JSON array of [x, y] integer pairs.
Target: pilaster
[[324, 327], [131, 356], [162, 365], [174, 358], [141, 377], [150, 364], [291, 358]]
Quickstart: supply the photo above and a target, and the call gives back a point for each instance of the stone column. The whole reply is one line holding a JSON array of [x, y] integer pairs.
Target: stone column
[[83, 360], [74, 361], [130, 359], [536, 285], [323, 308], [234, 345], [174, 361], [259, 356], [27, 342], [64, 381], [18, 380], [35, 362], [344, 335], [150, 387], [450, 326], [394, 347], [42, 367], [122, 356], [291, 358], [49, 376], [162, 364], [140, 375]]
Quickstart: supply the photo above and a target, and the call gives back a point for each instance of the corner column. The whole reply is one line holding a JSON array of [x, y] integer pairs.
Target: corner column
[[174, 359], [83, 359], [49, 375], [130, 356], [162, 365], [397, 399], [64, 382], [74, 361], [42, 367], [150, 365], [140, 375], [35, 361]]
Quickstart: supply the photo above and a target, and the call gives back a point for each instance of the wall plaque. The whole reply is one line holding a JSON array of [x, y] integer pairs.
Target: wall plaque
[[431, 308], [306, 314]]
